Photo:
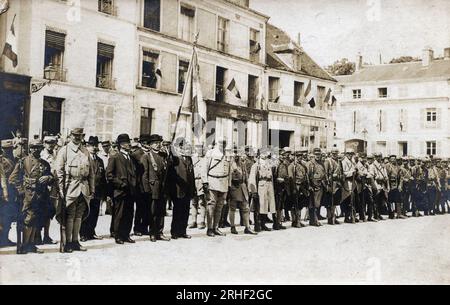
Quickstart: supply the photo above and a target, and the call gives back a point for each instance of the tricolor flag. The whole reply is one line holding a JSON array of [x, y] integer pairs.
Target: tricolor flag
[[333, 101], [233, 88], [312, 103], [308, 89], [310, 95], [158, 72], [327, 98], [10, 49], [4, 6]]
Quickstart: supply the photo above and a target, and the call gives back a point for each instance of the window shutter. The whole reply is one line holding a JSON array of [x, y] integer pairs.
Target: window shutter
[[55, 40], [438, 148], [169, 71], [105, 50], [439, 118], [423, 118]]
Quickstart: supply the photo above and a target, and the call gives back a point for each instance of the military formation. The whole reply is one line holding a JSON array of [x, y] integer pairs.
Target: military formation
[[138, 180]]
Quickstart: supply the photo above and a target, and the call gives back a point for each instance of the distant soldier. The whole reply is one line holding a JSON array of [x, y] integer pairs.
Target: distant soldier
[[299, 180], [381, 185], [5, 220], [198, 207], [31, 177], [282, 189], [261, 187], [155, 174], [369, 190], [331, 197], [88, 226], [317, 178], [406, 185], [419, 187], [442, 171], [394, 196], [76, 181], [348, 187], [360, 181], [238, 194], [433, 187]]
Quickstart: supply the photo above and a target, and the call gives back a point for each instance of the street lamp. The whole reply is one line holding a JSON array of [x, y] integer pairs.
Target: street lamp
[[50, 72], [365, 132]]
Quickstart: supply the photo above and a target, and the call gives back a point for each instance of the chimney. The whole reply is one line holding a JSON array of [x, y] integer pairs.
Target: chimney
[[299, 39], [359, 62], [427, 56], [447, 54]]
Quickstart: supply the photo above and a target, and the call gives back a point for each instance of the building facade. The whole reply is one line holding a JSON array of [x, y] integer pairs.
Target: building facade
[[400, 109]]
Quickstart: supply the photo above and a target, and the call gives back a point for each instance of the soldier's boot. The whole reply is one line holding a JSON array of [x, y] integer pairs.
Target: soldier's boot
[[24, 248], [398, 207], [193, 225], [295, 220], [217, 218], [224, 218], [319, 215], [38, 236], [246, 219], [241, 223], [263, 218], [279, 216], [276, 222], [315, 216], [232, 216], [391, 211], [257, 222], [210, 217], [286, 215], [330, 217]]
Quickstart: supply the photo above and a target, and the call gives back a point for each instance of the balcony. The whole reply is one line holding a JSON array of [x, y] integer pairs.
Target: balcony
[[55, 73], [107, 7], [106, 82]]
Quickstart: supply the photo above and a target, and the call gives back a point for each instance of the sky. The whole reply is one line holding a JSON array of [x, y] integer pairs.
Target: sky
[[335, 29]]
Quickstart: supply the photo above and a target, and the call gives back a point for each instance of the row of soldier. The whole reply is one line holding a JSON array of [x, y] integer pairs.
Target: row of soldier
[[138, 178]]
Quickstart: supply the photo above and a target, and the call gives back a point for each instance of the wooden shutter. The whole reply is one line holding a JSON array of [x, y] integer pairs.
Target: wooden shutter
[[105, 50], [169, 66], [439, 118], [55, 40]]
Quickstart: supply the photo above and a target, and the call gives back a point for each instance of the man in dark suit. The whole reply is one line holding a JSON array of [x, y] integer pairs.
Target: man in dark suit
[[155, 174], [182, 188], [87, 231], [121, 172]]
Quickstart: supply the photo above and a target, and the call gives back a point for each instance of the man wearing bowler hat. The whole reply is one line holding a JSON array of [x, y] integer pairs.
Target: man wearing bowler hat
[[76, 181], [155, 173], [121, 173]]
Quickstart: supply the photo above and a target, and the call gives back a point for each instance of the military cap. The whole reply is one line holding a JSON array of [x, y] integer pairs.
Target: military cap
[[370, 157], [77, 131], [317, 151], [350, 151], [298, 153], [335, 151], [123, 138], [286, 150], [36, 143], [50, 140]]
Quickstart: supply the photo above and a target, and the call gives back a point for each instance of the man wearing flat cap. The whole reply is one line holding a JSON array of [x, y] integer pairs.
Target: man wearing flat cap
[[121, 173], [32, 178], [155, 174], [76, 181]]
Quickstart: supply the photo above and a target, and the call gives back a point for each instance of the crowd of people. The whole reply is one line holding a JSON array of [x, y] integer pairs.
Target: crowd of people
[[139, 179]]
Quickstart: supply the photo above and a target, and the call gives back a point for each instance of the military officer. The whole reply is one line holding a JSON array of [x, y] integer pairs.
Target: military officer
[[282, 190], [76, 184], [299, 180], [31, 177], [216, 182], [88, 226], [198, 207], [261, 186], [155, 174], [317, 178]]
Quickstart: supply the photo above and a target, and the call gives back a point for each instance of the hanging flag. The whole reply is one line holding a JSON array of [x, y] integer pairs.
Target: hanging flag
[[327, 97], [158, 71], [308, 89], [261, 99], [233, 88], [333, 100], [312, 103], [4, 6], [10, 49]]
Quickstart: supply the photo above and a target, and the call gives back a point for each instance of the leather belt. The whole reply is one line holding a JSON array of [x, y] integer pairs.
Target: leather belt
[[218, 177]]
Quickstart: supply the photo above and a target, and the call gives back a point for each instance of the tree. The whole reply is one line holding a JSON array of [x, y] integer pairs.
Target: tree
[[402, 59], [341, 67]]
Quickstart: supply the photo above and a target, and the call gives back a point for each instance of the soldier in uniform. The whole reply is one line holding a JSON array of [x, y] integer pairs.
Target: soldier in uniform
[[442, 171], [261, 186], [433, 187], [368, 190], [88, 226], [381, 185], [198, 207], [317, 178], [238, 194], [348, 187], [406, 185], [331, 197], [31, 177], [360, 180], [5, 223], [155, 174], [299, 180], [394, 196], [282, 190], [216, 182], [76, 182], [419, 187]]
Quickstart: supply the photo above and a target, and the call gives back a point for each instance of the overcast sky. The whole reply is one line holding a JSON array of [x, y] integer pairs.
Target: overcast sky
[[333, 29]]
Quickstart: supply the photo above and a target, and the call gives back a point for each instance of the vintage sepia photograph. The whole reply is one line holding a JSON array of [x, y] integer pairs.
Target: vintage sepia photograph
[[224, 142]]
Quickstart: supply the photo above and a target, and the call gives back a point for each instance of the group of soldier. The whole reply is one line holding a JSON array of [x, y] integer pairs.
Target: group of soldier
[[138, 179]]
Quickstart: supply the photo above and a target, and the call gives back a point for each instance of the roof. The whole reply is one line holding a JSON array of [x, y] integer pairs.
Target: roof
[[277, 37], [401, 71]]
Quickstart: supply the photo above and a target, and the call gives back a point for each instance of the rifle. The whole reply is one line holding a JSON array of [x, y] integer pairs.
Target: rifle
[[19, 221]]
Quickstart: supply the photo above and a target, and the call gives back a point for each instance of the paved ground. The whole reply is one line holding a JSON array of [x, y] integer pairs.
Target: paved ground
[[394, 251]]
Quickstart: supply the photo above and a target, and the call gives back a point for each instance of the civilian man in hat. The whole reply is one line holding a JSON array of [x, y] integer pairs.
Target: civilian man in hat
[[299, 180], [104, 154], [76, 186], [216, 182], [88, 226], [198, 208], [121, 173], [142, 216], [31, 179], [182, 188], [155, 174]]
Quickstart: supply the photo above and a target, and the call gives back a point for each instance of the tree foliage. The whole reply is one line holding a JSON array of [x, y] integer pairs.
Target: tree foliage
[[403, 59], [341, 67]]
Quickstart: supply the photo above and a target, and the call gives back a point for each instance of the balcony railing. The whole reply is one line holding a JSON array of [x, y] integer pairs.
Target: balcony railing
[[107, 7], [106, 82], [57, 73]]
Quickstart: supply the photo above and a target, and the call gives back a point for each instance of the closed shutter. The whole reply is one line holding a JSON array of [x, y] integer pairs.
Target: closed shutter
[[170, 18], [55, 40], [206, 22], [207, 81], [423, 118], [169, 67], [439, 118], [439, 148], [405, 119], [105, 50]]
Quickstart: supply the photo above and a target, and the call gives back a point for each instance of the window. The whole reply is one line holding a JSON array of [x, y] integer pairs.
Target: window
[[54, 54], [222, 34], [105, 58], [104, 122], [107, 7], [149, 64], [255, 46], [382, 92], [220, 84], [304, 137], [183, 67], [51, 122], [431, 116], [152, 14], [187, 24], [298, 93], [356, 94], [146, 120], [274, 84], [431, 148], [253, 82]]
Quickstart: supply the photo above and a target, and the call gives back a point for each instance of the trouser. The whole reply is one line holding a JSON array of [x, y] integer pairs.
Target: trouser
[[348, 207], [123, 216], [224, 215], [256, 215], [380, 203], [244, 208], [431, 198], [362, 205], [369, 203], [281, 199], [157, 214], [214, 208], [88, 225], [180, 216], [198, 209], [141, 217], [74, 217], [8, 210], [406, 200], [418, 201]]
